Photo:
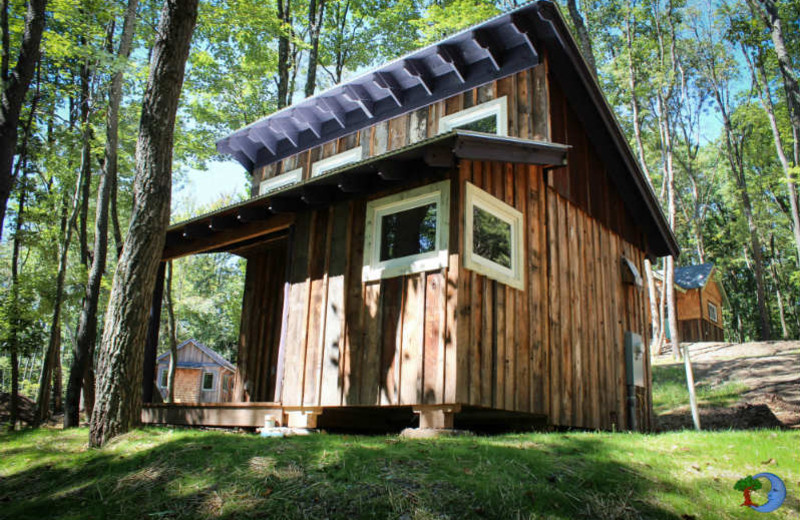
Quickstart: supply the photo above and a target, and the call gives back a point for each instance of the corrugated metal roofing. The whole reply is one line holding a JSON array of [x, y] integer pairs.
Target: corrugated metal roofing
[[693, 276]]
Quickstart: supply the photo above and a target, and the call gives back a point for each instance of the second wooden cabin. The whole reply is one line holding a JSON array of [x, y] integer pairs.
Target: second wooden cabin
[[457, 234]]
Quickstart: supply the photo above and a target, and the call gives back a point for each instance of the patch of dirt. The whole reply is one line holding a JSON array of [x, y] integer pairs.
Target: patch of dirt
[[771, 372], [27, 408]]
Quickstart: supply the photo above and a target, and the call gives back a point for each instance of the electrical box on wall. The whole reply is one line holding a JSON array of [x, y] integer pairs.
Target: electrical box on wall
[[634, 358]]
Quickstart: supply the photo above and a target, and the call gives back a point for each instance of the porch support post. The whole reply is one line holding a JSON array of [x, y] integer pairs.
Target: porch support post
[[151, 343]]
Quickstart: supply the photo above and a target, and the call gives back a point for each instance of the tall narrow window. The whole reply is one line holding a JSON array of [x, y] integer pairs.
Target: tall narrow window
[[162, 378], [493, 241], [490, 117], [407, 233], [712, 312], [208, 381]]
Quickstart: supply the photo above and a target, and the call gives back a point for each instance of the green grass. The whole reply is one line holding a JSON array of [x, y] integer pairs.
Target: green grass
[[160, 473], [669, 390]]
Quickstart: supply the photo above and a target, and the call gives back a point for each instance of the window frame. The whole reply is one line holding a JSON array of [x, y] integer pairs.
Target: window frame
[[280, 181], [163, 376], [497, 107], [711, 306], [514, 276], [375, 269], [335, 161], [203, 381]]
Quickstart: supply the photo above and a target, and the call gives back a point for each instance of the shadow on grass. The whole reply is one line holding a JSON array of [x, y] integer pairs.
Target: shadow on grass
[[219, 475]]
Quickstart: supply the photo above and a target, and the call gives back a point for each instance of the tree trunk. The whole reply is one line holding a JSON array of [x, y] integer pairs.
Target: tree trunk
[[285, 18], [173, 338], [315, 19], [766, 101], [54, 343], [14, 322], [119, 400], [58, 386], [584, 40], [87, 325], [15, 88], [86, 157]]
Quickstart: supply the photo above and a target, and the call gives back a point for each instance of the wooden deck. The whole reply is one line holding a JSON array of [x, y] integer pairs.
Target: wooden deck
[[351, 418]]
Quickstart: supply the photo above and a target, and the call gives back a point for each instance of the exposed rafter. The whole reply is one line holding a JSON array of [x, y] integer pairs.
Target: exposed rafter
[[450, 55], [484, 39], [359, 95], [386, 81], [419, 71]]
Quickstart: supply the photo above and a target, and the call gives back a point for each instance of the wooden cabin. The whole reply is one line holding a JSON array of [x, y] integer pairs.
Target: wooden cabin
[[699, 298], [451, 239], [201, 374]]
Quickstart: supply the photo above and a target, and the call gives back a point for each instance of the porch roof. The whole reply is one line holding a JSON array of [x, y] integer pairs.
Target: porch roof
[[233, 225]]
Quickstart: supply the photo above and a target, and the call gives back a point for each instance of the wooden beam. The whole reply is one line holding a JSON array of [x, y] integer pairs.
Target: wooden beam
[[332, 107], [451, 56], [484, 39], [265, 136], [196, 230], [418, 70], [359, 95], [387, 82], [393, 171], [308, 117], [253, 214], [223, 222], [525, 28], [282, 205], [317, 195], [218, 240]]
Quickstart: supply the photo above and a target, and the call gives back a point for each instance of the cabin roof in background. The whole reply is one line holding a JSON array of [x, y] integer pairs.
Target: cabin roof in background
[[693, 276], [204, 349]]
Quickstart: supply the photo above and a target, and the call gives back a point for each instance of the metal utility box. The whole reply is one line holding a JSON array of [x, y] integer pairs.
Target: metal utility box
[[634, 358]]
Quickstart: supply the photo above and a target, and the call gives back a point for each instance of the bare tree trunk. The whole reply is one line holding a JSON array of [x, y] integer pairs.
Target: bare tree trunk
[[14, 322], [760, 79], [58, 386], [54, 343], [285, 18], [315, 19], [15, 86], [86, 158], [119, 400], [584, 40], [87, 325], [173, 338]]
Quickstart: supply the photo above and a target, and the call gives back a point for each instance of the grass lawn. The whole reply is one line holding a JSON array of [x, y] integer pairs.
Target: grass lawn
[[670, 392], [160, 473]]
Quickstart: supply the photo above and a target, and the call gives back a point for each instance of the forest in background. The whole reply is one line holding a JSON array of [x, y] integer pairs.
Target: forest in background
[[705, 91]]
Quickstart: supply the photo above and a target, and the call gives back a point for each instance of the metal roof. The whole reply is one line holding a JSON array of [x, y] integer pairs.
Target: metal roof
[[693, 276], [206, 350], [493, 49]]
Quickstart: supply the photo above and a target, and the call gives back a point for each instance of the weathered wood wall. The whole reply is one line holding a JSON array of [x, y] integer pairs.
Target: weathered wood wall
[[260, 330], [452, 335]]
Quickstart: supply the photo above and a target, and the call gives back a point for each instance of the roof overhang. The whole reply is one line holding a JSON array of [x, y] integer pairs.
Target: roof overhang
[[253, 220], [499, 47]]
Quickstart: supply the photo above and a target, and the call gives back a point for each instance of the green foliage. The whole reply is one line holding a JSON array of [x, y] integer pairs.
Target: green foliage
[[747, 482]]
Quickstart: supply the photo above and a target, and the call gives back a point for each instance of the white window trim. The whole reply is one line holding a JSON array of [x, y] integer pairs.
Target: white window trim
[[161, 374], [374, 268], [335, 161], [514, 277], [712, 307], [497, 107], [281, 181], [213, 382]]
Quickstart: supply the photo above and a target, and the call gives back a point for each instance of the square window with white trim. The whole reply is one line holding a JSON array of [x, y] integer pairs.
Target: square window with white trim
[[208, 381], [281, 181], [490, 117], [712, 312], [336, 161], [407, 232], [493, 240]]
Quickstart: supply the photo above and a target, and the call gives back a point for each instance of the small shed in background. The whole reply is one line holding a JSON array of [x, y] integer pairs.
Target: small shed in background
[[201, 375], [699, 298]]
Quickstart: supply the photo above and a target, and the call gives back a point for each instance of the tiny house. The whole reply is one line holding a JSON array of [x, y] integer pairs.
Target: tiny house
[[201, 374], [453, 238]]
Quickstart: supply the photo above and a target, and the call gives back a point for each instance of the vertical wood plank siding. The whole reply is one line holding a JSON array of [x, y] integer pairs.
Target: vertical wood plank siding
[[452, 335]]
